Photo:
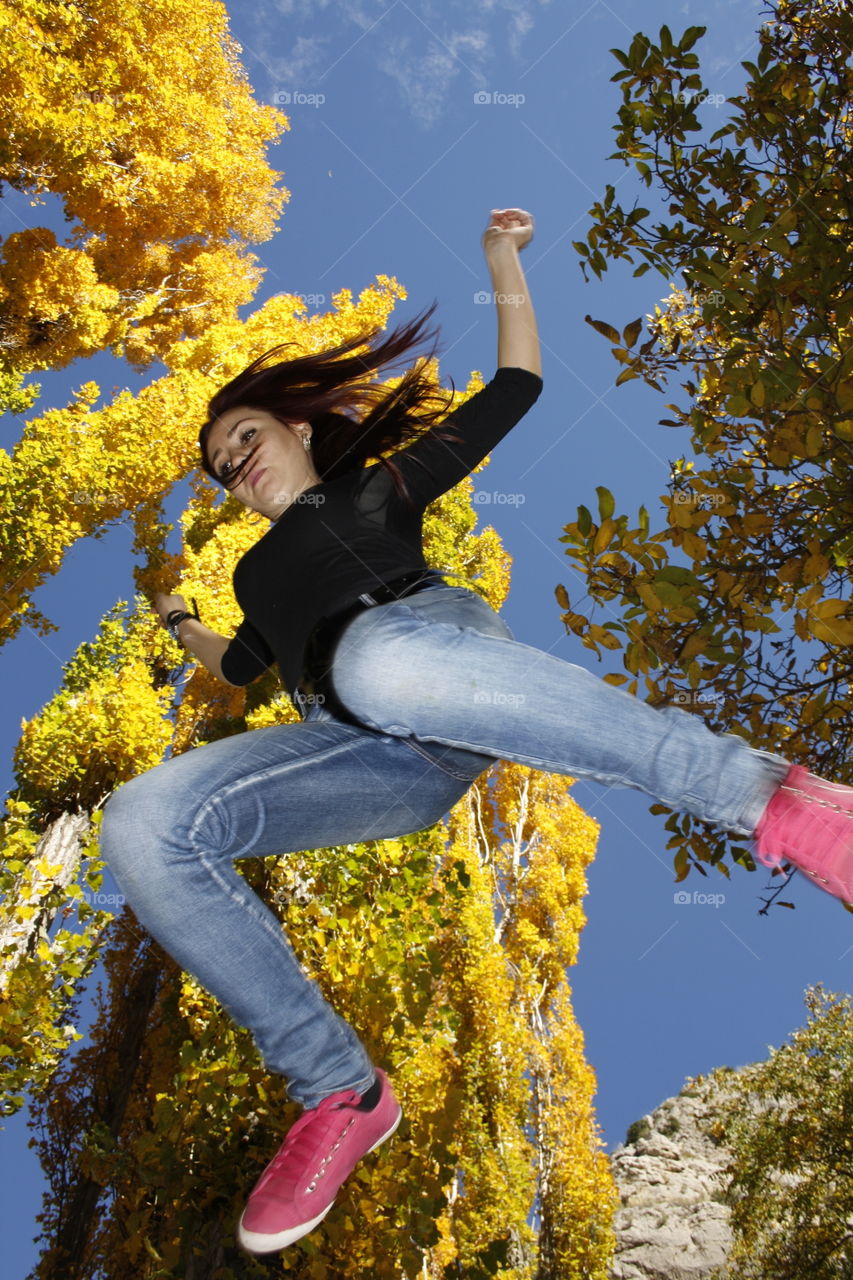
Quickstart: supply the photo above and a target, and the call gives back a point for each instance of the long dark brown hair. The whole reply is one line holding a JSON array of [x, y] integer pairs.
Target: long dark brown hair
[[319, 388]]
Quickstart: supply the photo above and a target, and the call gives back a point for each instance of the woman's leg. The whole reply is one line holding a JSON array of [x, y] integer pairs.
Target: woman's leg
[[170, 837], [443, 666]]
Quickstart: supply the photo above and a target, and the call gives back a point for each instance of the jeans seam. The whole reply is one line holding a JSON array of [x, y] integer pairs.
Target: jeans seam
[[246, 900], [251, 779], [413, 744]]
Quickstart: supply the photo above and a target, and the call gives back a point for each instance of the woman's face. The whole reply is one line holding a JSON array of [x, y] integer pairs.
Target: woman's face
[[278, 466]]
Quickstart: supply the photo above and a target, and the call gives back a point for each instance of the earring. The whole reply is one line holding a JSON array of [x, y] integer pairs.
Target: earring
[[306, 440]]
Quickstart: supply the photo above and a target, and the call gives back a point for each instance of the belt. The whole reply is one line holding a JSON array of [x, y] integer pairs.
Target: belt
[[314, 682]]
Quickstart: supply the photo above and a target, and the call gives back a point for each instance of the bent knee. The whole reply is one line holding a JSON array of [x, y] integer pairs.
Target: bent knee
[[141, 809]]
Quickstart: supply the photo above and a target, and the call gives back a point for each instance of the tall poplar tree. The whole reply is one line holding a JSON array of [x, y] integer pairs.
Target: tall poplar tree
[[448, 948]]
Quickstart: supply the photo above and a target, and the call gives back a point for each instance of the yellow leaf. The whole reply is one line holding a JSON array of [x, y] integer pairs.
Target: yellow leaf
[[693, 545], [653, 602], [682, 514], [755, 522], [790, 570], [605, 535], [694, 644], [834, 631], [816, 566], [606, 638], [831, 608], [814, 441]]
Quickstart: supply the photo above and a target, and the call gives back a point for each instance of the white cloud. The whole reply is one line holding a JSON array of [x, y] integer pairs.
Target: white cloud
[[308, 58], [425, 74], [424, 47]]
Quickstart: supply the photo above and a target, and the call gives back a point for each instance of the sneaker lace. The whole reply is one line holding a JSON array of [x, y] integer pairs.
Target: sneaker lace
[[312, 1140], [778, 838]]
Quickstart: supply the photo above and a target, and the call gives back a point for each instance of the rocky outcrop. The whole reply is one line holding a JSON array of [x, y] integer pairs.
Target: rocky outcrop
[[671, 1223]]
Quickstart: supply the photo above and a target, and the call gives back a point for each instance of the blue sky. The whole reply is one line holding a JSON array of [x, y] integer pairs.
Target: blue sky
[[408, 124]]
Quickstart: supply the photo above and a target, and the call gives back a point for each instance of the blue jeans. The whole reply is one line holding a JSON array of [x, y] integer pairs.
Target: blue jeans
[[442, 689]]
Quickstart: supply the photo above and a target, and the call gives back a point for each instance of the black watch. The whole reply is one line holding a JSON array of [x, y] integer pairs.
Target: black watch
[[177, 616]]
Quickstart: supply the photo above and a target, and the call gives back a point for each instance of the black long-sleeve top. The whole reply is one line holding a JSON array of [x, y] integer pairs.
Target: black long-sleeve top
[[344, 536]]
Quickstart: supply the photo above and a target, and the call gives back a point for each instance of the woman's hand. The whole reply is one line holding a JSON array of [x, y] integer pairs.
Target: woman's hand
[[165, 604], [507, 226], [198, 640]]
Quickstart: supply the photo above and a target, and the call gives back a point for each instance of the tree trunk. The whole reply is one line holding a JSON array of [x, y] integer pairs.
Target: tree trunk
[[60, 848]]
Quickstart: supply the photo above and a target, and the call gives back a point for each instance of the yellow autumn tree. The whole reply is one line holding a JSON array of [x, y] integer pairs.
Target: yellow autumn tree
[[69, 759], [447, 948], [171, 1123], [470, 1010], [139, 118]]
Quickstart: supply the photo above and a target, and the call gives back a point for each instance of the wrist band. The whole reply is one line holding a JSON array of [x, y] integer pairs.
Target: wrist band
[[177, 616]]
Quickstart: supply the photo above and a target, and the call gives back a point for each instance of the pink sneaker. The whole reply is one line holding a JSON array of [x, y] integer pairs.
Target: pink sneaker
[[298, 1187], [809, 822]]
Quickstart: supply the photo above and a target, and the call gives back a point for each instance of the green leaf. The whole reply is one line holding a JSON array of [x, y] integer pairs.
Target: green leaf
[[674, 573], [584, 520], [755, 215], [606, 503], [691, 35]]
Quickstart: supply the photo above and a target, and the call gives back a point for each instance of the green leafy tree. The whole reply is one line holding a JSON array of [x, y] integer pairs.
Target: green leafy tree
[[790, 1175], [739, 607]]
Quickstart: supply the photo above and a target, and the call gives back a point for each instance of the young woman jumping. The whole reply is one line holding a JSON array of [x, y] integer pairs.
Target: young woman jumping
[[408, 688]]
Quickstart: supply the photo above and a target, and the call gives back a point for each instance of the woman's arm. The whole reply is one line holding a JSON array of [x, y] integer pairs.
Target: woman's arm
[[206, 645], [508, 232]]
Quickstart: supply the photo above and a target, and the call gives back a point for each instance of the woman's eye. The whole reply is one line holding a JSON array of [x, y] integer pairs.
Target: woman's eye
[[226, 468]]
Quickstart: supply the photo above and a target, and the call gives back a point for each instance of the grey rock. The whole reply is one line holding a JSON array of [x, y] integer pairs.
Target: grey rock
[[671, 1223]]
